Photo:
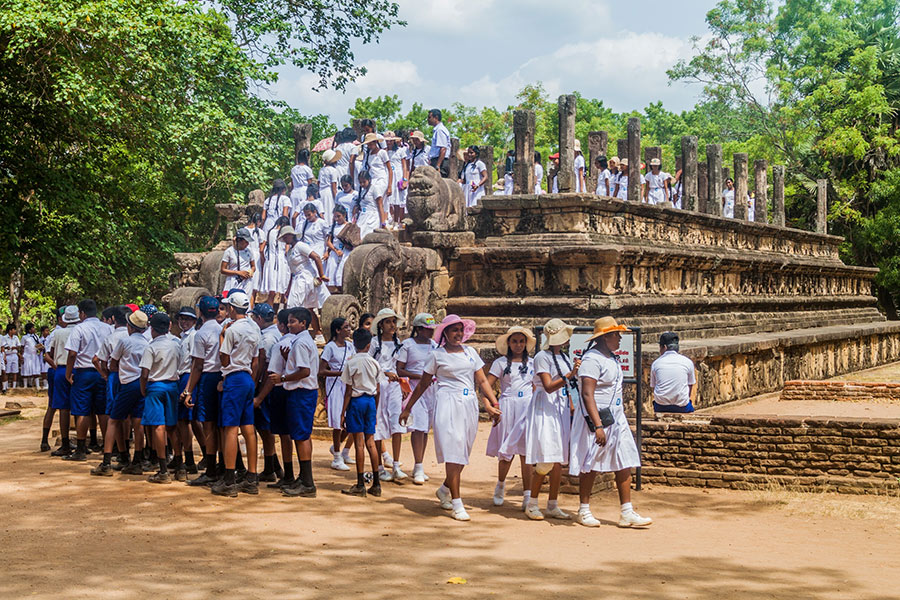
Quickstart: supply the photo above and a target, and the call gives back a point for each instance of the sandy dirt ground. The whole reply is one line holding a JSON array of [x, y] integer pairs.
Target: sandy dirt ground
[[66, 534]]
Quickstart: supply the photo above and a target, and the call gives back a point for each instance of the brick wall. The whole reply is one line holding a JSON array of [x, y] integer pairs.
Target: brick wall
[[846, 455], [841, 391]]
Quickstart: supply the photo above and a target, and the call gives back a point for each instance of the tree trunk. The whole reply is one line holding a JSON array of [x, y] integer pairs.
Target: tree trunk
[[16, 293]]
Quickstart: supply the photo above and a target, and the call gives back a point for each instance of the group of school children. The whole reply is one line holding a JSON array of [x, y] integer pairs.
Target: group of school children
[[20, 357], [233, 368]]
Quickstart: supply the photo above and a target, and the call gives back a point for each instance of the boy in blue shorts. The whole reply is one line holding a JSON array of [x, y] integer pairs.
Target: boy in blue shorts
[[238, 354], [360, 376], [159, 386], [264, 317], [273, 393], [187, 425]]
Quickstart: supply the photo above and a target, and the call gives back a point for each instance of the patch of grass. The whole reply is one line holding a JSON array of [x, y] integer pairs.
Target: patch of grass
[[12, 419], [822, 502]]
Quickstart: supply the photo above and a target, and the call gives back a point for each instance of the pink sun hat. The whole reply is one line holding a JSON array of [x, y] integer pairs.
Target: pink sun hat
[[468, 327]]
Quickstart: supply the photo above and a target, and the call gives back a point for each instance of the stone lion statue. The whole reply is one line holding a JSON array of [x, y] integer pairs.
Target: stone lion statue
[[435, 203]]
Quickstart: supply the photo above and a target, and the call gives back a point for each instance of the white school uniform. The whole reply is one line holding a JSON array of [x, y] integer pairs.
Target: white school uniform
[[31, 363], [254, 252], [390, 401], [314, 234], [368, 219], [414, 356], [12, 344], [655, 184], [347, 200], [334, 266], [620, 451], [579, 166], [328, 175], [538, 178], [418, 157], [751, 208], [621, 180], [274, 207], [728, 208], [343, 164], [85, 340], [45, 342], [129, 351], [507, 184], [300, 176], [472, 174], [238, 261], [671, 377], [602, 178], [378, 164], [304, 291], [336, 357], [456, 404], [549, 416], [507, 438], [276, 272], [396, 157]]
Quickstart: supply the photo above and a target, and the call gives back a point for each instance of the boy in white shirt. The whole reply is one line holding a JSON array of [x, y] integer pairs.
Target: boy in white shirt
[[237, 263], [360, 375], [159, 386]]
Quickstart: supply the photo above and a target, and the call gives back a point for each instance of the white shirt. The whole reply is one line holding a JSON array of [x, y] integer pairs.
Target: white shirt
[[241, 345], [237, 261], [602, 178], [300, 176], [314, 234], [336, 356], [129, 351], [656, 183], [538, 178], [728, 208], [268, 338], [276, 360], [396, 156], [161, 358], [299, 261], [378, 165], [206, 346], [671, 376], [415, 355], [328, 175], [303, 354], [515, 384], [11, 343], [608, 375], [455, 371], [579, 167], [57, 347], [386, 356], [343, 163], [185, 359], [418, 157], [347, 200], [439, 139], [86, 339], [362, 373], [274, 207], [109, 343], [622, 181]]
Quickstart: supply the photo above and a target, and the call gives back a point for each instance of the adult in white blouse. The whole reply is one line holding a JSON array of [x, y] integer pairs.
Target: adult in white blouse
[[474, 176], [378, 164], [538, 173], [439, 153], [601, 439], [278, 204], [578, 167], [728, 199], [458, 370]]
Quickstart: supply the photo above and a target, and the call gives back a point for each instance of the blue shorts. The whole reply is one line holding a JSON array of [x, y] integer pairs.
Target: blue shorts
[[128, 402], [262, 419], [160, 404], [184, 413], [51, 372], [664, 408], [301, 410], [360, 417], [88, 393], [206, 398], [112, 389], [237, 400], [61, 387], [278, 421]]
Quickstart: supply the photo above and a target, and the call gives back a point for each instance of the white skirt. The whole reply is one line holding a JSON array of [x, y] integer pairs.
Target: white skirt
[[305, 292], [327, 201], [334, 268], [455, 425], [334, 388], [387, 415], [421, 417], [367, 221], [619, 453], [276, 275], [31, 365], [507, 438], [548, 427]]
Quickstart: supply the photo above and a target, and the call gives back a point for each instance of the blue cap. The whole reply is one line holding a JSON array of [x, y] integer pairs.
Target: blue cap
[[208, 304], [263, 310], [149, 310]]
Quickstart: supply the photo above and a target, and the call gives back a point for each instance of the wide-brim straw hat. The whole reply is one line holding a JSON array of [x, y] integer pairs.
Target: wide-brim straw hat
[[390, 136], [371, 137], [605, 325], [286, 230], [624, 161], [614, 159], [138, 319], [468, 326], [556, 333], [418, 135], [331, 156], [386, 313], [503, 340], [577, 145]]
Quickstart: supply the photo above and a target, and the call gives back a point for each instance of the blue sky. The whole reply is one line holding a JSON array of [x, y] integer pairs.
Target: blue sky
[[481, 52]]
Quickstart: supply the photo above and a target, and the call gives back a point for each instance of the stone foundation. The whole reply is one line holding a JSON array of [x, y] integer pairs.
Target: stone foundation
[[841, 391]]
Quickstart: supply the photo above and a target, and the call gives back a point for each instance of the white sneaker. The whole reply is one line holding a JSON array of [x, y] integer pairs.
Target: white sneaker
[[461, 515], [534, 513], [338, 464], [558, 513], [499, 492], [399, 475], [349, 459], [385, 476], [632, 519], [444, 498], [586, 519], [419, 477], [387, 460]]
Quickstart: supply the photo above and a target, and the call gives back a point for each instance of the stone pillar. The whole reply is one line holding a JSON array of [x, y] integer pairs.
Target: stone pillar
[[740, 185], [651, 152], [761, 190], [702, 187], [597, 144], [621, 148], [678, 163], [778, 195], [821, 205], [726, 174], [356, 124], [565, 178], [716, 179], [487, 157], [454, 159], [523, 170], [689, 172], [634, 159], [302, 136]]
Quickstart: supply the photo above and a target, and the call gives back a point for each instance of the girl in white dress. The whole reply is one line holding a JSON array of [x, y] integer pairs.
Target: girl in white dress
[[344, 145], [335, 355], [411, 359], [367, 210], [538, 173], [31, 362], [346, 195], [399, 162], [474, 176], [458, 371], [578, 166], [329, 178], [657, 190], [278, 204], [508, 172], [549, 418], [337, 250], [515, 371], [276, 275], [308, 282], [418, 151], [604, 176], [313, 229], [254, 248], [384, 348], [601, 439], [728, 199], [378, 164], [301, 176], [621, 180]]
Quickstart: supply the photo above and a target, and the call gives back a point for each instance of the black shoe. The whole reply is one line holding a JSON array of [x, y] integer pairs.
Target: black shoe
[[192, 469], [76, 456], [267, 477], [96, 447], [249, 487], [279, 472], [225, 489], [63, 450], [146, 465], [282, 483], [135, 468], [203, 480], [375, 490], [45, 447], [171, 464], [300, 491], [201, 466], [118, 466], [356, 490], [180, 474], [160, 477], [102, 470], [240, 476]]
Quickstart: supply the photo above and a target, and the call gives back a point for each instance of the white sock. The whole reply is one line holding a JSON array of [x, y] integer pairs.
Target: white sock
[[584, 508], [457, 504], [501, 486], [526, 496], [532, 502], [380, 467], [418, 468], [552, 504], [627, 508], [331, 449], [444, 489], [345, 453]]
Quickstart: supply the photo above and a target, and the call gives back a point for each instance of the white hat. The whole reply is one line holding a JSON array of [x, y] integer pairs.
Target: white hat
[[577, 146], [330, 156], [371, 137], [237, 300], [655, 162], [557, 333], [71, 314], [386, 313], [286, 230]]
